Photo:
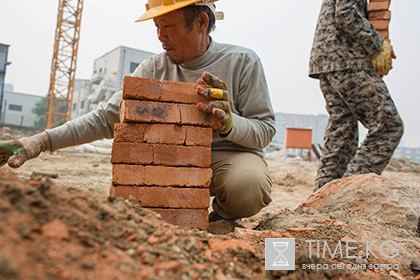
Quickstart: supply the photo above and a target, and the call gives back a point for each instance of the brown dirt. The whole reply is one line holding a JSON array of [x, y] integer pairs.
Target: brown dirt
[[68, 228]]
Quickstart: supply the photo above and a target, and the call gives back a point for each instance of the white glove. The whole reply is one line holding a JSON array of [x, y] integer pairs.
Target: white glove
[[16, 152]]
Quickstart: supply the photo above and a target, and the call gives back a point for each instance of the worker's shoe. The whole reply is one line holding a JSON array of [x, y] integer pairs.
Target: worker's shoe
[[218, 225], [213, 216]]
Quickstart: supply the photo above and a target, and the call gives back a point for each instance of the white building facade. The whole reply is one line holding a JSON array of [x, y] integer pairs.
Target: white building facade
[[17, 108], [109, 71]]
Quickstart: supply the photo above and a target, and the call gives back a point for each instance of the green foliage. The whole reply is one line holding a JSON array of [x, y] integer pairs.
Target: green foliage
[[40, 111]]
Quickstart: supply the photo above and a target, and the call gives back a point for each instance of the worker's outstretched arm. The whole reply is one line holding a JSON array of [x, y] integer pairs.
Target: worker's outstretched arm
[[95, 125], [16, 152]]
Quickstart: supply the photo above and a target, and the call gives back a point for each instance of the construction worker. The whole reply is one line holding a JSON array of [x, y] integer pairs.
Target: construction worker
[[241, 182], [349, 57]]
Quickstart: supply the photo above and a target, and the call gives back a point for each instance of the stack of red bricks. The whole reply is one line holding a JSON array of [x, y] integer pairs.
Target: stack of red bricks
[[162, 151], [380, 16]]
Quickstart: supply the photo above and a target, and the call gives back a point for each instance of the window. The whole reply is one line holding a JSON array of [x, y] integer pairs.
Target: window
[[133, 66], [13, 107], [82, 104]]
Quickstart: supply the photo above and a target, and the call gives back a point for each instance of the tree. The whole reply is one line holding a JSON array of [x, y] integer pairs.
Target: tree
[[40, 110]]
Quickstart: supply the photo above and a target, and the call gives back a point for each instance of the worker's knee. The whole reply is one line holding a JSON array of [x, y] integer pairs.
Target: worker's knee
[[242, 194]]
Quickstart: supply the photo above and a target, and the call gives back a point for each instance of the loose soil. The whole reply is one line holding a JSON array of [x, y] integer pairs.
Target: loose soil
[[68, 228]]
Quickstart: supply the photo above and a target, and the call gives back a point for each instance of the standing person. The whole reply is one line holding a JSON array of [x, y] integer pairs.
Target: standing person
[[241, 182], [349, 58]]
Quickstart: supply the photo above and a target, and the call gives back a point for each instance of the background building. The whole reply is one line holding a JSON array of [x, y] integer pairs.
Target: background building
[[81, 93], [108, 73], [17, 108], [4, 50]]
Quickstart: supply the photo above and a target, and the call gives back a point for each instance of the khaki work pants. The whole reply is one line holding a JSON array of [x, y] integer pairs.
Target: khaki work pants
[[241, 184]]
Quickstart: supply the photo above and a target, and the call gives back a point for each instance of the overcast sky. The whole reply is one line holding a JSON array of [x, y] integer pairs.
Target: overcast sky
[[280, 31]]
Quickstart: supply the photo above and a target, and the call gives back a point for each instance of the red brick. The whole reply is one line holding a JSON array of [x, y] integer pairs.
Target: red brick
[[166, 197], [149, 112], [160, 112], [380, 24], [163, 133], [384, 33], [389, 1], [160, 154], [380, 15], [378, 6], [198, 136], [189, 218], [191, 115], [150, 175], [156, 90], [132, 153]]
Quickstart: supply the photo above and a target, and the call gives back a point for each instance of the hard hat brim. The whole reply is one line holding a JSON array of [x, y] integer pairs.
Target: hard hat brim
[[161, 10]]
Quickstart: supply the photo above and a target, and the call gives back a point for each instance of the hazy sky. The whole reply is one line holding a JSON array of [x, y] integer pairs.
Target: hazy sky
[[280, 31]]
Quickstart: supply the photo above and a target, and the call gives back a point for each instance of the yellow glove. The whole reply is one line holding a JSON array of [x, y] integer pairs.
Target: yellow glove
[[215, 89], [382, 60], [16, 152]]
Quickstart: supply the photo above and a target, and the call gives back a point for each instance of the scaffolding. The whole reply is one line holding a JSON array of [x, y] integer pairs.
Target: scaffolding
[[63, 66]]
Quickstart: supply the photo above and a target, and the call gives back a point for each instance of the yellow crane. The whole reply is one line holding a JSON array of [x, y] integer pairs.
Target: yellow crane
[[63, 66]]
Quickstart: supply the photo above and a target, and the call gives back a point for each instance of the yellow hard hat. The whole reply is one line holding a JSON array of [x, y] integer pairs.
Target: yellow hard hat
[[155, 8]]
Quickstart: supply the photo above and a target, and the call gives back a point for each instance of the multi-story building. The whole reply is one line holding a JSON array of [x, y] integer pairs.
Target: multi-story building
[[81, 93], [4, 50], [108, 73], [17, 108]]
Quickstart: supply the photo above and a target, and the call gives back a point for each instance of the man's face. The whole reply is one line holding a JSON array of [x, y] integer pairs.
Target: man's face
[[180, 43]]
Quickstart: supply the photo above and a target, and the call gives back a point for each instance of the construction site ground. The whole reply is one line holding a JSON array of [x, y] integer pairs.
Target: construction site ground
[[68, 228]]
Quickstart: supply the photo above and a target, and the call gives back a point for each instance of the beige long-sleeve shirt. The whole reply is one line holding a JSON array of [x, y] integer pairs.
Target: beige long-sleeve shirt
[[240, 68]]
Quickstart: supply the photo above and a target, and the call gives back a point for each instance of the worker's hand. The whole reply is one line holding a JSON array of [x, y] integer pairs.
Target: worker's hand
[[16, 152], [219, 102], [382, 60]]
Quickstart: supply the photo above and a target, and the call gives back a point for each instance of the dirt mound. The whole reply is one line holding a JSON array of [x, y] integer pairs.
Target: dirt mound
[[289, 180], [48, 232], [363, 209], [371, 198], [403, 165]]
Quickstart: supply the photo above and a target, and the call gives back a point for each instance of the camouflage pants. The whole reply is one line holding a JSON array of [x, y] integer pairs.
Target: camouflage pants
[[352, 96]]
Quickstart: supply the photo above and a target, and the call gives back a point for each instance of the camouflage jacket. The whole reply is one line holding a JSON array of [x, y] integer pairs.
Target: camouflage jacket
[[344, 38]]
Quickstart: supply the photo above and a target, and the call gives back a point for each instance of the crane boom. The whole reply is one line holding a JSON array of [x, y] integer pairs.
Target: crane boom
[[63, 66]]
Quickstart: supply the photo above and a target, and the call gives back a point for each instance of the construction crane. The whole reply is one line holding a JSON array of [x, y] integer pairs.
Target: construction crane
[[63, 67]]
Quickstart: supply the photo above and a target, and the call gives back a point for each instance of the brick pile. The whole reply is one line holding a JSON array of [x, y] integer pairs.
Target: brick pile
[[162, 151], [380, 16]]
